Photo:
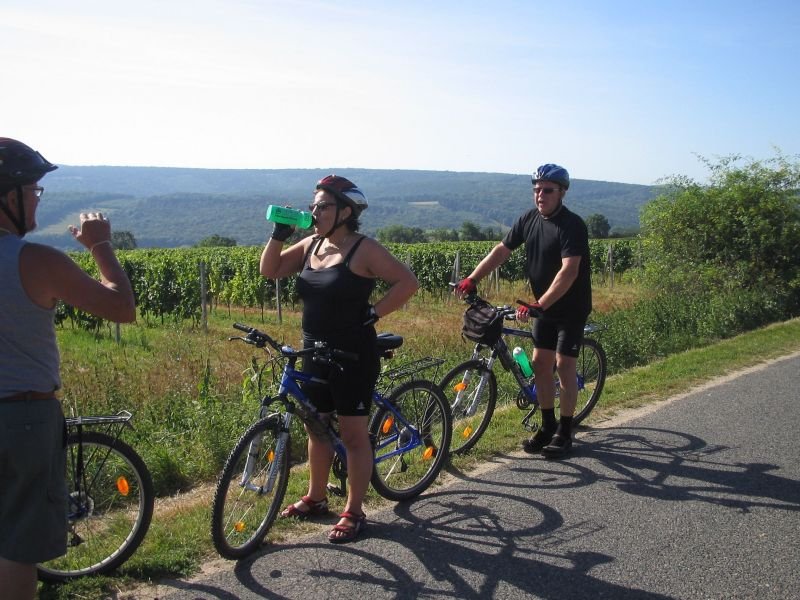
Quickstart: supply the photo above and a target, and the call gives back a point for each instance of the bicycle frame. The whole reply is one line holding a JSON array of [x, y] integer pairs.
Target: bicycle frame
[[408, 437], [500, 350]]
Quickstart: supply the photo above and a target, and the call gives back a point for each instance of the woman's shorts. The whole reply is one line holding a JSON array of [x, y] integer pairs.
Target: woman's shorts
[[33, 501]]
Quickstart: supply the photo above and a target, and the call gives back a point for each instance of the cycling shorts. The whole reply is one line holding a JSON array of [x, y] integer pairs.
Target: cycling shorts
[[560, 335], [349, 392]]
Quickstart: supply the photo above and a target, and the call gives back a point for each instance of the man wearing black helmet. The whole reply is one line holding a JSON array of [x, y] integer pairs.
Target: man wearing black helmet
[[33, 501], [557, 263]]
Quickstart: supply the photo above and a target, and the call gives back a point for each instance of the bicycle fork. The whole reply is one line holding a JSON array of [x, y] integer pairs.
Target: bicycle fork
[[274, 457], [463, 387]]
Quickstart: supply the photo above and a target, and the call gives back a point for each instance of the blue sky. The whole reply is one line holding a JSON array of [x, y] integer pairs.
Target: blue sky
[[615, 91]]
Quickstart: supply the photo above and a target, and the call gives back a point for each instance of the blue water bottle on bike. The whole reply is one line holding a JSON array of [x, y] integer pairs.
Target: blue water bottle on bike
[[522, 360]]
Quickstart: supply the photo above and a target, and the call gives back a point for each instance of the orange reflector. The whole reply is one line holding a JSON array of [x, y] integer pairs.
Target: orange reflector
[[238, 526], [270, 455], [388, 422], [122, 485], [467, 432], [429, 452], [460, 386]]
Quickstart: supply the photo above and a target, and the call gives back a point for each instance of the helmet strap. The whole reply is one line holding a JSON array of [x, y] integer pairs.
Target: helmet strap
[[19, 219], [337, 222]]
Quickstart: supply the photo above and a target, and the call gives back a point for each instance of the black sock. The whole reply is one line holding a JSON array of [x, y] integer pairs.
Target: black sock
[[549, 424], [565, 426]]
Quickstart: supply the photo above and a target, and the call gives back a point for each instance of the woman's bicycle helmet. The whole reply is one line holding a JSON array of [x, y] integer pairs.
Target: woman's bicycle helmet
[[551, 172], [345, 190]]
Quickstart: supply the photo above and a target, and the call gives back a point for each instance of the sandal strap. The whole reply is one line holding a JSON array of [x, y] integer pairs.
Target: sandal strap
[[353, 516], [312, 504]]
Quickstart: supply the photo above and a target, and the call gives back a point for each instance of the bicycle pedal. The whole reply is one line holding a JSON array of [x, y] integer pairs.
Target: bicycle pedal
[[336, 490]]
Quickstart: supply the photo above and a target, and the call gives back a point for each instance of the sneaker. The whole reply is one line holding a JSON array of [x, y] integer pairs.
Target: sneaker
[[558, 447], [538, 440]]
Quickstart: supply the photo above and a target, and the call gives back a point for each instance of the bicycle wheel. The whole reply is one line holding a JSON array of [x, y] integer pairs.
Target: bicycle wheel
[[591, 377], [471, 391], [411, 446], [110, 498], [247, 500]]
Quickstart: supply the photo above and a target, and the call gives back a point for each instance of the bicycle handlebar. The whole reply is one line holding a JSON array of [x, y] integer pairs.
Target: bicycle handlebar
[[323, 354]]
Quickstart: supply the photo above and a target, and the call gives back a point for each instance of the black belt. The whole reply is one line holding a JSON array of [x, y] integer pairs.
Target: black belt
[[27, 396]]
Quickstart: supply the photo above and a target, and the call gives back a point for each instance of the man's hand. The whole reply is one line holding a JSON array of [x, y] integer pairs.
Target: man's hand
[[465, 287], [525, 311], [94, 229], [282, 232]]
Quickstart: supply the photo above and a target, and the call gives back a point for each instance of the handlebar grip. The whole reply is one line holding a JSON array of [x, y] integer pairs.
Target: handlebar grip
[[242, 327], [534, 310]]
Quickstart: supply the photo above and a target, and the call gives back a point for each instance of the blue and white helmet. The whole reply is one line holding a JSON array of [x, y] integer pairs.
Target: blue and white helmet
[[551, 172]]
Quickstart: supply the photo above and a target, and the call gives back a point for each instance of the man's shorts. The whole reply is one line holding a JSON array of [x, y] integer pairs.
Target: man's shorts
[[562, 336], [33, 494]]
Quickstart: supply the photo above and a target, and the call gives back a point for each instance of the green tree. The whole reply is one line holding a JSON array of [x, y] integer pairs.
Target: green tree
[[216, 240], [598, 226], [123, 240], [441, 234], [401, 234], [739, 233]]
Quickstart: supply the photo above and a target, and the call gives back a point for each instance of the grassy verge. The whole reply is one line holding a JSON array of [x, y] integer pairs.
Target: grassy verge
[[179, 539]]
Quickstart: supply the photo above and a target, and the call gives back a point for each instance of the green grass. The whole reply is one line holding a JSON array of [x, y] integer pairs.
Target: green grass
[[185, 389]]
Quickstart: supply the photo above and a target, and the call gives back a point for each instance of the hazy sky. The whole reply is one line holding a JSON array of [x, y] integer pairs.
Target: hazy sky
[[626, 91]]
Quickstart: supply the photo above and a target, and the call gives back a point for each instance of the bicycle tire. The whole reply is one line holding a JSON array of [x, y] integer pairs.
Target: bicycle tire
[[241, 517], [591, 368], [109, 511], [409, 457], [468, 429]]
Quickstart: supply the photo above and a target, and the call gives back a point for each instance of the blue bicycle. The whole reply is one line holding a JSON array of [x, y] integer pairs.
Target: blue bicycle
[[410, 431], [471, 386]]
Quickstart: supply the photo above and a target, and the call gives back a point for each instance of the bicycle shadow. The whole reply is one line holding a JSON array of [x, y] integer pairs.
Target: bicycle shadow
[[469, 544], [673, 466]]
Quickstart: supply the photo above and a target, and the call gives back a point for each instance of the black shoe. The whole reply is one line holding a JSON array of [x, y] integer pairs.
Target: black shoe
[[559, 446], [538, 440]]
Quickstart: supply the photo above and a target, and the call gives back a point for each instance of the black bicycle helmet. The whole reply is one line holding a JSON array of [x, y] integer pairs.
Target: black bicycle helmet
[[345, 190], [20, 165], [551, 172]]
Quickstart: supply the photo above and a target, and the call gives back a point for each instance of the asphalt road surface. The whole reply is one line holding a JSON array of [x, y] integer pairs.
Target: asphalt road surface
[[697, 498]]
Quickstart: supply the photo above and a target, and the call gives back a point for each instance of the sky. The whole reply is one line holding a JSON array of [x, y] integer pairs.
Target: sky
[[624, 91]]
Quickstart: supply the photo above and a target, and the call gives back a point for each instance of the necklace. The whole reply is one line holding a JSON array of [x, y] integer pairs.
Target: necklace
[[339, 245], [4, 231]]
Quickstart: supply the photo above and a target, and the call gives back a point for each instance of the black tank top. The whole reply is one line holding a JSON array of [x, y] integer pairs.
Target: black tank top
[[335, 299]]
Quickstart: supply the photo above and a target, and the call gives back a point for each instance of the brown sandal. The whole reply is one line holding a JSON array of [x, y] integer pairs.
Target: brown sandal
[[315, 509], [341, 534]]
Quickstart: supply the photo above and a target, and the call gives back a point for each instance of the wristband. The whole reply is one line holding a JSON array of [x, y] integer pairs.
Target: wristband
[[100, 243]]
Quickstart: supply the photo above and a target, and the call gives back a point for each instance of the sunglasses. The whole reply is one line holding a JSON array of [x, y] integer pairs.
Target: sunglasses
[[320, 206], [38, 191], [546, 190]]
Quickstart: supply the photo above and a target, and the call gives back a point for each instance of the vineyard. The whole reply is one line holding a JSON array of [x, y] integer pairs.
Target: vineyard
[[167, 282]]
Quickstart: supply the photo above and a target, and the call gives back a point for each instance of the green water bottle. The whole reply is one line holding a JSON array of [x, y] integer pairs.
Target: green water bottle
[[290, 216], [522, 360]]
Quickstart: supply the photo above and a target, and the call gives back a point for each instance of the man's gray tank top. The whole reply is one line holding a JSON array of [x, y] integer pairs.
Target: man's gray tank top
[[28, 351]]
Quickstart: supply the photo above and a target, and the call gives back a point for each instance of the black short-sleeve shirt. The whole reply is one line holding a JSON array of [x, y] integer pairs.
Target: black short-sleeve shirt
[[547, 241]]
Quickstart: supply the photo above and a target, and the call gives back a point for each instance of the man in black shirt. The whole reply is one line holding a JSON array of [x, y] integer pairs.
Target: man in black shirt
[[557, 263]]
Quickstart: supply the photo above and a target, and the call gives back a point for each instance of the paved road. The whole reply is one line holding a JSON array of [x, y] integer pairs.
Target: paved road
[[697, 499]]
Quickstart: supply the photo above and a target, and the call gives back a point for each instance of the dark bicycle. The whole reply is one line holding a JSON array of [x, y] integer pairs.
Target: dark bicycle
[[110, 499], [410, 431], [471, 387]]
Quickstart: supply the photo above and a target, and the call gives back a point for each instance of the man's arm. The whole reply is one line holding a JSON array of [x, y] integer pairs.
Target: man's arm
[[564, 279], [496, 257]]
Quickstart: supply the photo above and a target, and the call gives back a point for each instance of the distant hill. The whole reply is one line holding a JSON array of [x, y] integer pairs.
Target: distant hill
[[169, 207]]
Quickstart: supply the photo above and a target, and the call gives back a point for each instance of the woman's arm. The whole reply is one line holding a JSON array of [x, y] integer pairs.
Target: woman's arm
[[379, 263]]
